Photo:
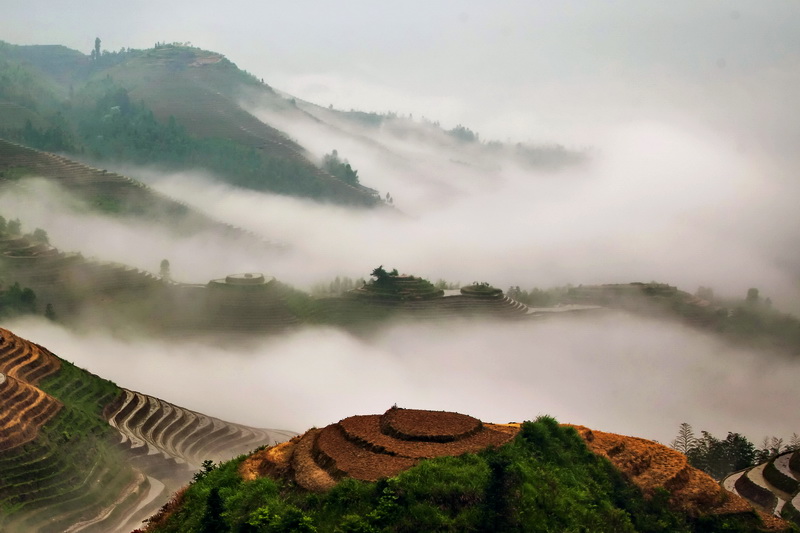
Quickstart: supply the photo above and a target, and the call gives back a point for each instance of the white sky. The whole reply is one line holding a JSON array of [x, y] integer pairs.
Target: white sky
[[524, 70]]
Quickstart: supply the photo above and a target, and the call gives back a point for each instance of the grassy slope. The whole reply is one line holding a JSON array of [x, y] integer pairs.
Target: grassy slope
[[544, 480]]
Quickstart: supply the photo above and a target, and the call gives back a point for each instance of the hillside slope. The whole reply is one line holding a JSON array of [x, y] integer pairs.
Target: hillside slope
[[172, 106], [413, 470], [77, 453]]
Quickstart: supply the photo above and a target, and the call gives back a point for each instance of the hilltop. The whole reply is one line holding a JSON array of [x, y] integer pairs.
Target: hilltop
[[179, 107], [171, 106], [415, 470]]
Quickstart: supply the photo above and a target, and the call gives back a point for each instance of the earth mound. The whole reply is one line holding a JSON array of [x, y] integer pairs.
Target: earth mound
[[371, 447]]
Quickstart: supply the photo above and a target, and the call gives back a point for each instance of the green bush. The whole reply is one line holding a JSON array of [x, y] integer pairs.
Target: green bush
[[544, 480]]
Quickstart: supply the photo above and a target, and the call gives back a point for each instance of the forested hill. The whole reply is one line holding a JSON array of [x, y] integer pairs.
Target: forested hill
[[171, 106]]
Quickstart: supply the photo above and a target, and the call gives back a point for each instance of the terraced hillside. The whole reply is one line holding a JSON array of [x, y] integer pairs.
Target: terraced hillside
[[372, 447], [773, 486], [77, 453], [108, 192], [411, 297], [152, 427], [651, 466], [417, 470]]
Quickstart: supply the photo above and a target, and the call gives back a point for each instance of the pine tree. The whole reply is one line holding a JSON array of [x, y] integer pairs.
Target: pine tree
[[685, 441]]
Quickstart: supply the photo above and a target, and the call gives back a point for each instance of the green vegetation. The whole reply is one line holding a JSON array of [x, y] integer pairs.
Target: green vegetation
[[481, 289], [752, 320], [341, 169], [73, 469], [537, 297], [544, 480], [17, 301], [84, 106], [393, 286], [720, 457]]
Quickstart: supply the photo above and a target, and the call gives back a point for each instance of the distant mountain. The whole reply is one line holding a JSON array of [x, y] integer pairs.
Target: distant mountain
[[181, 107], [171, 106]]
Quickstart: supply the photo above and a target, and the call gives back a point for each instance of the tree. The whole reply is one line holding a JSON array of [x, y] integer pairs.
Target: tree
[[721, 457], [752, 296], [49, 312], [164, 271], [97, 48], [212, 518], [40, 235], [14, 226], [685, 441], [379, 274], [341, 169], [705, 293]]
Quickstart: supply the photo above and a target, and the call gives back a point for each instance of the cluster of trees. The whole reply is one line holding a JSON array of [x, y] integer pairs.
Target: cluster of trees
[[720, 457], [536, 297], [14, 228], [16, 300], [336, 287], [332, 164], [753, 320], [112, 127], [463, 134]]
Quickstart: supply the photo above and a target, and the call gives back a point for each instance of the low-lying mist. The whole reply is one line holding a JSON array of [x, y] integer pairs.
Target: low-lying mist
[[654, 203], [613, 372]]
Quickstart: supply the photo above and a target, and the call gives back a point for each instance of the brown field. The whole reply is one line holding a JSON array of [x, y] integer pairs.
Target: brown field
[[372, 447], [26, 408], [650, 465]]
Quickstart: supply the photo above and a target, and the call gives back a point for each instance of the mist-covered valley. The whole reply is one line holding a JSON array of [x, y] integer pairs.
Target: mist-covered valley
[[651, 202], [622, 373], [510, 212]]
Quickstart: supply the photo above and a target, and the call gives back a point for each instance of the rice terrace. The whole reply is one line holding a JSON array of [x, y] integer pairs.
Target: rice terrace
[[208, 282]]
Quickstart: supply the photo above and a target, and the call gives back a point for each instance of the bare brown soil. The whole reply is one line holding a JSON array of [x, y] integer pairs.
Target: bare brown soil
[[372, 447], [433, 426], [26, 408], [25, 360], [368, 431], [650, 465]]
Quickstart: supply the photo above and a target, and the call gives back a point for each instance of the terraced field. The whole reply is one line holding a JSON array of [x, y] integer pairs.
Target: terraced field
[[373, 446], [148, 424], [77, 453], [108, 192], [650, 465], [364, 307], [773, 487]]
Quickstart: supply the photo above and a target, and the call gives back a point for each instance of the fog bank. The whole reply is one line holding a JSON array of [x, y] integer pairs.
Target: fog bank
[[616, 373]]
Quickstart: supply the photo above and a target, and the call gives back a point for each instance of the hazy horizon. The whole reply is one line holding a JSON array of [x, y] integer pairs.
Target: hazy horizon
[[615, 372]]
